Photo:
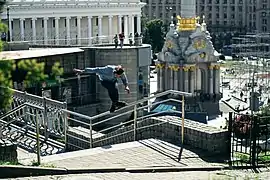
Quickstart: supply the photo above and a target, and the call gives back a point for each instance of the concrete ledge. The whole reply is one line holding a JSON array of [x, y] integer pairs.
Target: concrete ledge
[[96, 170], [174, 169], [9, 171]]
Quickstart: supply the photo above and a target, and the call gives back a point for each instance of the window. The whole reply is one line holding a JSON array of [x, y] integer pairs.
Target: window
[[225, 15], [76, 23], [264, 21], [240, 8], [42, 23], [96, 21], [53, 22]]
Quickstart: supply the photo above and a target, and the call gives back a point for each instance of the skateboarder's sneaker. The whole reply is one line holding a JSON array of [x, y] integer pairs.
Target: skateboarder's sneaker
[[120, 104], [113, 107]]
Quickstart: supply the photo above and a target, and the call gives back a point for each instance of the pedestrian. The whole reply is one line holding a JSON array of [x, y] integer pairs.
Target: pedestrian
[[121, 38], [115, 38], [130, 39], [108, 76]]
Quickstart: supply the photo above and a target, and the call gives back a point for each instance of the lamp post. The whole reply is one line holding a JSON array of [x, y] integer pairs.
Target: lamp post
[[8, 19]]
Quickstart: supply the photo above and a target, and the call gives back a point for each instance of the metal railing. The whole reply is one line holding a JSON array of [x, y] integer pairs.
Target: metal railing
[[89, 125], [96, 40], [30, 118]]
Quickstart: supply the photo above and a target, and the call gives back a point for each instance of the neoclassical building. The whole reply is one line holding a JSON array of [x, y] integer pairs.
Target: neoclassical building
[[71, 22]]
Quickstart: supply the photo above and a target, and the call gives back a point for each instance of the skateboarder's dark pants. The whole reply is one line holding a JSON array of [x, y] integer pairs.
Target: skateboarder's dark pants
[[111, 86]]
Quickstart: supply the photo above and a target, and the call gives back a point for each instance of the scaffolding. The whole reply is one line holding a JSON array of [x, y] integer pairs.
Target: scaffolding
[[253, 52]]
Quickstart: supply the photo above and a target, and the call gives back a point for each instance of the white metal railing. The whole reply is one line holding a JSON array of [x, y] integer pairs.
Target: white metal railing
[[88, 122], [30, 118], [95, 40]]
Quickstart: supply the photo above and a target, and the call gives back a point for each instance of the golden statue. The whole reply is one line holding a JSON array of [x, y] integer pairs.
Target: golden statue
[[187, 24]]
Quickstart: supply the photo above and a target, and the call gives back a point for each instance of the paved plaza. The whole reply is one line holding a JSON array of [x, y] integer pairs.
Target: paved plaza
[[144, 153]]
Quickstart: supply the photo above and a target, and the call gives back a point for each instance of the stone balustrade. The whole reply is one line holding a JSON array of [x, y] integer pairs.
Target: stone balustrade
[[168, 128]]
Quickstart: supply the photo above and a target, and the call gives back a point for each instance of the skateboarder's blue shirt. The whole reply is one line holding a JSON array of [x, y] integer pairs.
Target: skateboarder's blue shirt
[[107, 73]]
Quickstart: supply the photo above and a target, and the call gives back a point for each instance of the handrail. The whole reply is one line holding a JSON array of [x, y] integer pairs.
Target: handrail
[[139, 108], [143, 100], [12, 111]]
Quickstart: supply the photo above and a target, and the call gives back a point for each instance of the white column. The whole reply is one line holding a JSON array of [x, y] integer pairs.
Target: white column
[[56, 30], [68, 29], [126, 29], [79, 29], [99, 25], [89, 30], [120, 30], [186, 81], [22, 28], [34, 36], [139, 27], [130, 24], [210, 80], [192, 83], [10, 29], [217, 74], [45, 20], [110, 29]]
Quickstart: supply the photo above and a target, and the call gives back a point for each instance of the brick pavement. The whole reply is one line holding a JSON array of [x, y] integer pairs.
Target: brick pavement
[[145, 153]]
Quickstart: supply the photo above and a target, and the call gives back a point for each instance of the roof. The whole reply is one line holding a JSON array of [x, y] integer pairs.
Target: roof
[[30, 54]]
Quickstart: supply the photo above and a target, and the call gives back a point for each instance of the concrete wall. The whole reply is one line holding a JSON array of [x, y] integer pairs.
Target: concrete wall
[[129, 57], [197, 135]]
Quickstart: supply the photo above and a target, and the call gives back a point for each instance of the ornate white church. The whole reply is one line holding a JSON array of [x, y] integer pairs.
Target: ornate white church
[[71, 22]]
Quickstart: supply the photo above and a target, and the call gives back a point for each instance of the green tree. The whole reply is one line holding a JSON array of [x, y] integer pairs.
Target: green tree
[[6, 67], [57, 71], [156, 32], [35, 72]]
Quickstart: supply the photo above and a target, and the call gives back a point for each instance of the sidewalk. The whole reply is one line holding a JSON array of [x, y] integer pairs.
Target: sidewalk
[[139, 154]]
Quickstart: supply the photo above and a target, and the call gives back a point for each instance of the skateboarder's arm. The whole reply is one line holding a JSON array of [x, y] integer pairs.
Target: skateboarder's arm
[[97, 70], [124, 79]]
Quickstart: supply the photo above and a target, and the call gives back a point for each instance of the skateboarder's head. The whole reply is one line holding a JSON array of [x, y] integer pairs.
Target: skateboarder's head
[[119, 70]]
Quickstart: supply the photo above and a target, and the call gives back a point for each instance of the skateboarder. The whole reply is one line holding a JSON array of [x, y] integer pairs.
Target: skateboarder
[[108, 76]]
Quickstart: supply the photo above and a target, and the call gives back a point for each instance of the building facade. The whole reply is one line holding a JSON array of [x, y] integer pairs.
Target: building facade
[[71, 22], [234, 15], [252, 15]]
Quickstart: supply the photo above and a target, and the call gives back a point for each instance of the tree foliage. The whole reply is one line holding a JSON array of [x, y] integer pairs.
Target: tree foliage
[[154, 33], [34, 72], [57, 71], [6, 68]]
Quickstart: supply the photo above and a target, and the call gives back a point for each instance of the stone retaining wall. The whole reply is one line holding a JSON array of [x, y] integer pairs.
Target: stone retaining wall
[[8, 151], [166, 128]]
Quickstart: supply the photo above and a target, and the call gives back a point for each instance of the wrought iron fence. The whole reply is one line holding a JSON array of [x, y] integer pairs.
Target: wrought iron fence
[[250, 141], [51, 117]]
